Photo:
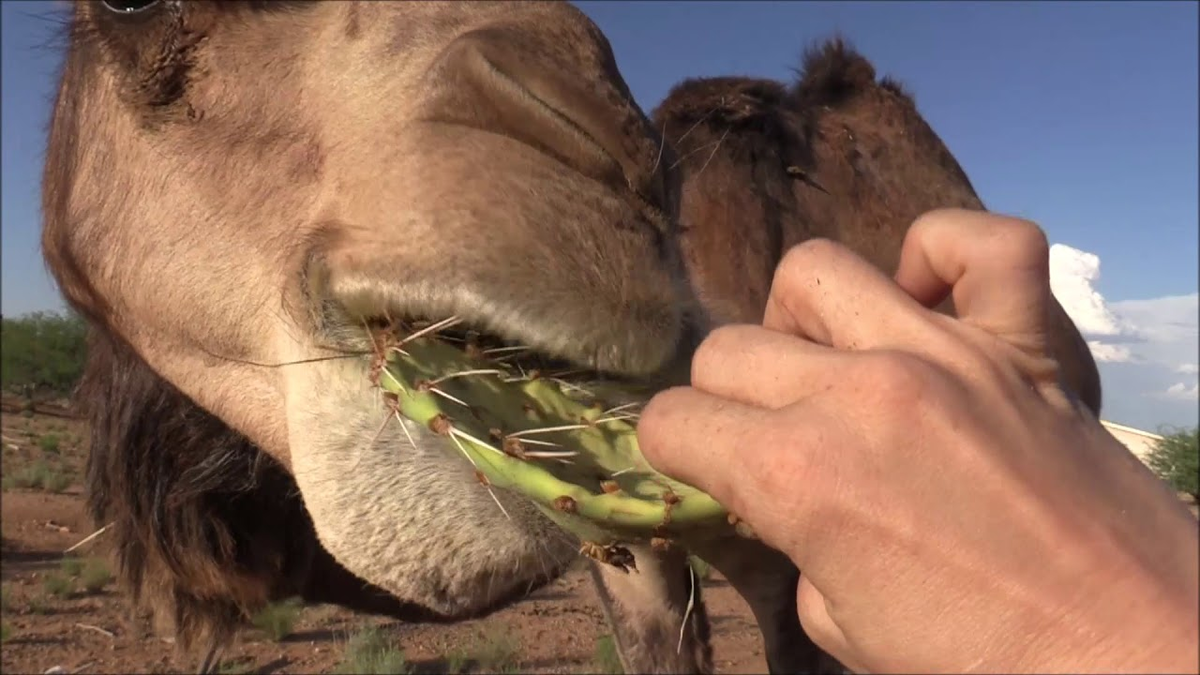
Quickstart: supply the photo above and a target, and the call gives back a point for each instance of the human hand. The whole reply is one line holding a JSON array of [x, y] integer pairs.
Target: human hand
[[949, 506]]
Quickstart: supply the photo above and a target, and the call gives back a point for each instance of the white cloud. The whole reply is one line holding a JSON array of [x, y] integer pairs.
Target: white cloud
[[1142, 347], [1181, 392], [1073, 275], [1111, 353]]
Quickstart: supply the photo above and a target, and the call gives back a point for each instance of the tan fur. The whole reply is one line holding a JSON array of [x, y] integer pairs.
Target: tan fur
[[232, 186]]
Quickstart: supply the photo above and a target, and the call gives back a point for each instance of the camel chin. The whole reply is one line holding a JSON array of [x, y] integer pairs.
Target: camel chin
[[394, 504]]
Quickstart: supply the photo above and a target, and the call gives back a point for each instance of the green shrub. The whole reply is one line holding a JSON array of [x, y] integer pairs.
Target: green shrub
[[5, 632], [38, 604], [42, 353], [50, 443], [58, 585], [71, 566], [370, 652], [39, 475], [278, 619], [1176, 458], [241, 666], [94, 576]]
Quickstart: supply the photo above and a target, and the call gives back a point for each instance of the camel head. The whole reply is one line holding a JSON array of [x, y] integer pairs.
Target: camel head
[[839, 154], [235, 192]]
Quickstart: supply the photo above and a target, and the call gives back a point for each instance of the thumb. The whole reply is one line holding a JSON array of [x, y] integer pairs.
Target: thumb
[[820, 626]]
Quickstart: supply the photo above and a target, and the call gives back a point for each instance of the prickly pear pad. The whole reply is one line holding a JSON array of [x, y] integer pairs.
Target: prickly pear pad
[[569, 452]]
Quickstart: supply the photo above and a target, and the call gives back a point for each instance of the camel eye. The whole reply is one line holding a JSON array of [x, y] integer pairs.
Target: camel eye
[[128, 6]]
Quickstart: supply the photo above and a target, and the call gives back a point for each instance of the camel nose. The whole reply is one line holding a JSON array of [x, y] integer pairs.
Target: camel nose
[[486, 80]]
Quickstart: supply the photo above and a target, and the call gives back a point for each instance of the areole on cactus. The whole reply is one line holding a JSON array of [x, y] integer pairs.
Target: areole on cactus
[[558, 444]]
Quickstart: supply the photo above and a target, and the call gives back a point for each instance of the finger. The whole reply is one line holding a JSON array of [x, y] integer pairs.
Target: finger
[[763, 367], [686, 433], [820, 626], [824, 292], [996, 269]]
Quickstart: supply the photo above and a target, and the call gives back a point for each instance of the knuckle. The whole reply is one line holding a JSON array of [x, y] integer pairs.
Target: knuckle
[[1026, 241], [898, 377], [800, 260], [712, 350], [655, 421]]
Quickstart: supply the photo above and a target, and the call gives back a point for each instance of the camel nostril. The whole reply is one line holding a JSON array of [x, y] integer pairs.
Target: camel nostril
[[596, 131]]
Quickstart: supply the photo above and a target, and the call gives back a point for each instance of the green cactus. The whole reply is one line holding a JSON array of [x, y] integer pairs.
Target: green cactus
[[571, 454]]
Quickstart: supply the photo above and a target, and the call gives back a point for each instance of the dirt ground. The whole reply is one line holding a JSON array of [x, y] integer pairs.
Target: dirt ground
[[67, 616]]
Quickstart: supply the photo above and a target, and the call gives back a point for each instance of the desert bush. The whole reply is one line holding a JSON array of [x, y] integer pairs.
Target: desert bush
[[370, 652], [278, 619], [39, 475], [1176, 458], [58, 585], [71, 566], [496, 649], [42, 353], [94, 576], [50, 443]]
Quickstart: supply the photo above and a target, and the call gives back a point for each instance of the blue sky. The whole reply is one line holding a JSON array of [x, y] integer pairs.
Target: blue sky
[[1081, 116]]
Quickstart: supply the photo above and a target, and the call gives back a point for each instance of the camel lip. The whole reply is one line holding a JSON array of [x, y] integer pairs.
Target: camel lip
[[532, 361]]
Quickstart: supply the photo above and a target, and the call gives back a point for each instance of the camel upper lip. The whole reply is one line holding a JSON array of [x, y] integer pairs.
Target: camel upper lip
[[524, 358]]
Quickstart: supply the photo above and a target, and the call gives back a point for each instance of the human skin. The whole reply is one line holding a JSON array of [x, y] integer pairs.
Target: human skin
[[951, 507]]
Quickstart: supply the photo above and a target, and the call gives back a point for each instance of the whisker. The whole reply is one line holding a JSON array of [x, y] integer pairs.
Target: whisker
[[432, 328], [502, 350], [696, 124], [662, 142], [621, 407], [714, 152]]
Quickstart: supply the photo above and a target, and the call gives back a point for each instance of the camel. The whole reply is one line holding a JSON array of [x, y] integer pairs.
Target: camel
[[837, 155], [232, 190], [764, 166]]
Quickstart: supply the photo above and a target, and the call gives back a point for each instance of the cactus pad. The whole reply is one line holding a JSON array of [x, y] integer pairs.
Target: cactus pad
[[559, 445]]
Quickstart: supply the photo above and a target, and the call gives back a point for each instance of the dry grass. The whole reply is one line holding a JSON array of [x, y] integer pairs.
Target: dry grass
[[39, 476], [94, 576], [370, 652], [278, 619], [58, 585], [496, 649]]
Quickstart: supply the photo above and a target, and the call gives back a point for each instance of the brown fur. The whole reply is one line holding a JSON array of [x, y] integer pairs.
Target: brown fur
[[765, 166], [835, 155]]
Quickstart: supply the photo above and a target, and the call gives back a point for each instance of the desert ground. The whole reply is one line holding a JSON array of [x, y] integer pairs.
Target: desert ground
[[62, 612]]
